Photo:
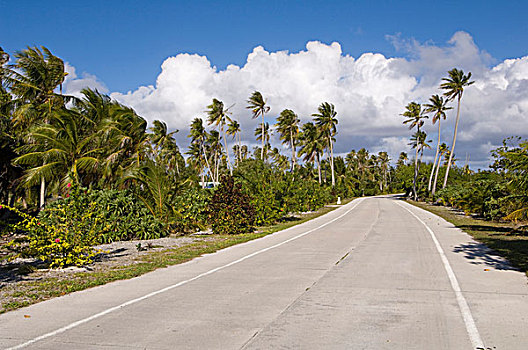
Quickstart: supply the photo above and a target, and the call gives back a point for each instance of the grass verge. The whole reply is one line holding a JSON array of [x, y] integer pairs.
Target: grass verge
[[26, 292], [495, 235]]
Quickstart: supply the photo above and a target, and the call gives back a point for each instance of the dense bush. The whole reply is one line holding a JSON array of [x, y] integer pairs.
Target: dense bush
[[230, 210], [116, 215], [66, 241], [191, 206]]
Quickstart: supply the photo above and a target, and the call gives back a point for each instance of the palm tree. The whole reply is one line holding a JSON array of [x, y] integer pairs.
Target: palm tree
[[217, 115], [33, 79], [454, 86], [415, 116], [438, 107], [215, 149], [441, 151], [288, 127], [234, 130], [258, 106], [384, 165], [326, 121], [311, 145], [198, 152], [263, 133], [60, 151], [167, 151]]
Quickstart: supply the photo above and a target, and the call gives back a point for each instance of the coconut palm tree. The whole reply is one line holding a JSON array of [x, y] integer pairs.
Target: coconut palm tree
[[233, 129], [384, 166], [166, 149], [218, 115], [60, 151], [438, 107], [414, 114], [441, 151], [32, 80], [288, 127], [263, 133], [454, 86], [198, 152], [327, 122], [258, 106], [312, 145]]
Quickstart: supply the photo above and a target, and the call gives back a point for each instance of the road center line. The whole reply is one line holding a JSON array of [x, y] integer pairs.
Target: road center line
[[149, 295], [471, 327]]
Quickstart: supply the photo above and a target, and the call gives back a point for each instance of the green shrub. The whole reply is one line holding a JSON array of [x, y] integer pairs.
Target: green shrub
[[191, 206], [230, 210], [116, 215], [68, 241]]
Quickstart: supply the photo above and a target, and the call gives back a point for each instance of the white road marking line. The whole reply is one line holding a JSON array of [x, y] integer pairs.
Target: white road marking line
[[133, 301], [471, 327]]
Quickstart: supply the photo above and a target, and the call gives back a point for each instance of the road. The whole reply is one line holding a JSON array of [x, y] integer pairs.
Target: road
[[376, 273]]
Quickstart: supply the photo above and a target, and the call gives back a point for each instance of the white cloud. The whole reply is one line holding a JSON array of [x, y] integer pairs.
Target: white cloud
[[73, 84], [369, 92]]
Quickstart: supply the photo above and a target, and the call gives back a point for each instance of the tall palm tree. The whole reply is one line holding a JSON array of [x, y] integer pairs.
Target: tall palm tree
[[218, 115], [327, 122], [441, 151], [438, 107], [454, 86], [384, 165], [312, 145], [33, 79], [263, 133], [258, 106], [164, 143], [288, 127], [61, 151], [215, 150], [233, 129], [414, 117], [199, 137]]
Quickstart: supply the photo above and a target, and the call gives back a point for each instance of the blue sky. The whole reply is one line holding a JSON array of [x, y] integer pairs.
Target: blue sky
[[124, 42], [168, 59]]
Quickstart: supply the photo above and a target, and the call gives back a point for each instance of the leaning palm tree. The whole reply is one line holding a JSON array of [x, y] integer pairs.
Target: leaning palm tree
[[414, 114], [60, 152], [218, 115], [263, 133], [454, 86], [438, 107], [33, 79], [198, 137], [288, 128], [327, 122], [258, 106], [441, 151], [233, 129], [311, 145]]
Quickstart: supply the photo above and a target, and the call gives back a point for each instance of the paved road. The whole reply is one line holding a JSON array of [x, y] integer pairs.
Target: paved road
[[376, 273]]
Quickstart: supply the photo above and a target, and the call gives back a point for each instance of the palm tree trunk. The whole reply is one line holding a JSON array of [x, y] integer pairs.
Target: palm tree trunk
[[415, 195], [332, 161], [207, 163], [453, 146], [293, 151], [42, 192], [318, 166], [262, 136], [239, 147], [436, 156], [227, 152], [436, 175]]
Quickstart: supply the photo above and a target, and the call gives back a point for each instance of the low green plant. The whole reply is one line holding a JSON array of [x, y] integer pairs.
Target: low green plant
[[117, 215], [68, 241]]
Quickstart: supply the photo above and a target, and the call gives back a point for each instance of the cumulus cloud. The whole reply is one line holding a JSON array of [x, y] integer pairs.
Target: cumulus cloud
[[73, 84], [369, 92]]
